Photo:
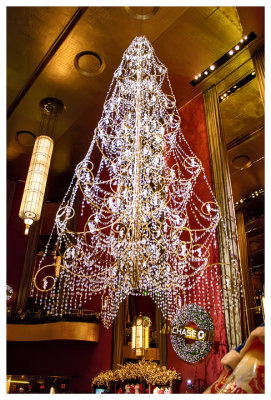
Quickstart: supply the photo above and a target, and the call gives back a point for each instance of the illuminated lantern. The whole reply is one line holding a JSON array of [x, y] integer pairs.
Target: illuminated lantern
[[36, 180], [141, 335], [35, 184]]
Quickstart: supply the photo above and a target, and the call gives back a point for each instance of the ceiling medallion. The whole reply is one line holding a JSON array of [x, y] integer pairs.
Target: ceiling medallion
[[51, 105], [132, 13], [90, 58]]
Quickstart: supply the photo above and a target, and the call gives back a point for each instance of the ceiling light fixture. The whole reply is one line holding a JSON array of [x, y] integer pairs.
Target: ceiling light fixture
[[237, 86], [34, 190], [35, 184], [147, 227], [254, 194], [225, 58], [96, 63]]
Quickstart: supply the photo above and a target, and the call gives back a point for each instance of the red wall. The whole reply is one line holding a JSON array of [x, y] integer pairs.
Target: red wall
[[16, 244], [194, 129]]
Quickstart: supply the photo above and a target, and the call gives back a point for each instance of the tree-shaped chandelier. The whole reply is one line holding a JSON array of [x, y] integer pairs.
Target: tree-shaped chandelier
[[147, 227]]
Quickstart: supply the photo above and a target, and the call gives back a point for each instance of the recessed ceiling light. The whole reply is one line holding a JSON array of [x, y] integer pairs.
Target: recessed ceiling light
[[241, 162], [196, 77], [89, 63], [135, 14], [239, 84], [25, 138], [223, 59]]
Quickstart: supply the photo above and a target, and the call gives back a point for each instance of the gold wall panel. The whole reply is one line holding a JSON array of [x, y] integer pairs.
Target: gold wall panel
[[53, 331]]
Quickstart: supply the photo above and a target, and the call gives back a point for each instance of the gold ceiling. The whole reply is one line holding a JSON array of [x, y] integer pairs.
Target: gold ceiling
[[42, 43]]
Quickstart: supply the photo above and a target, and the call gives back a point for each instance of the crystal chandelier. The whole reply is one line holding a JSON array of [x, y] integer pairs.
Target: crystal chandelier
[[147, 225]]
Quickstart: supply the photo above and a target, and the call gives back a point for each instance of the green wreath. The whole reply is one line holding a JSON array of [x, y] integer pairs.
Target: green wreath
[[195, 352]]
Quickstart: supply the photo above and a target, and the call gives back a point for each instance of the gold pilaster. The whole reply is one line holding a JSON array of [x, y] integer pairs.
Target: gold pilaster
[[223, 193]]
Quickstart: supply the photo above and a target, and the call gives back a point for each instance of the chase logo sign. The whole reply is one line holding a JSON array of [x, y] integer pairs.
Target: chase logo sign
[[192, 333], [200, 338]]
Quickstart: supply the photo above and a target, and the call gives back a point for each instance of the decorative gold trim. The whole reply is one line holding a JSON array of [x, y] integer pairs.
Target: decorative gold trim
[[63, 330]]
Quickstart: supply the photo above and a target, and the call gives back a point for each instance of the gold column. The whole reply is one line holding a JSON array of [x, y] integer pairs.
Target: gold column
[[11, 188], [119, 334], [248, 292], [258, 61], [223, 193], [162, 338], [8, 383]]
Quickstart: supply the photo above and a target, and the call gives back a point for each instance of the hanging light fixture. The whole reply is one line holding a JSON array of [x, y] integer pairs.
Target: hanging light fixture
[[35, 184], [141, 335], [148, 211]]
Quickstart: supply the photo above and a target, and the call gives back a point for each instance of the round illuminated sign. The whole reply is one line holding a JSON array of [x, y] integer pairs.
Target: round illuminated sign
[[200, 339]]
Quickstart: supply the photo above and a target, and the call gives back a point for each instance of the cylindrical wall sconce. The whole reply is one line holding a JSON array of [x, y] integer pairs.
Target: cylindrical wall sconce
[[35, 184], [36, 180], [141, 335]]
